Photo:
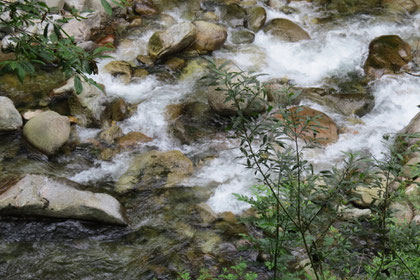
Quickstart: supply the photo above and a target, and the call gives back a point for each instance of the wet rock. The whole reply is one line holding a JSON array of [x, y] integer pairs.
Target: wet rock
[[121, 69], [10, 118], [140, 73], [207, 215], [47, 131], [256, 17], [348, 8], [326, 134], [400, 6], [192, 122], [176, 38], [155, 168], [285, 30], [175, 63], [234, 15], [110, 134], [144, 59], [208, 36], [31, 113], [88, 106], [38, 195], [242, 37], [132, 139], [229, 225], [118, 109], [136, 22], [145, 8], [217, 101], [387, 55]]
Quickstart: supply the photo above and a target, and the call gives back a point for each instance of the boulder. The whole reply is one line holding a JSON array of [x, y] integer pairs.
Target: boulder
[[121, 69], [387, 54], [10, 118], [81, 30], [88, 106], [47, 131], [242, 37], [175, 63], [256, 17], [155, 168], [412, 128], [176, 38], [38, 195], [233, 14], [368, 196], [208, 37], [325, 134], [217, 99], [285, 30], [118, 109]]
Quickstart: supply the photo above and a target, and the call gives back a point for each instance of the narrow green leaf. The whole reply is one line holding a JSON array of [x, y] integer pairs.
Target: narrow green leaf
[[107, 7], [78, 85]]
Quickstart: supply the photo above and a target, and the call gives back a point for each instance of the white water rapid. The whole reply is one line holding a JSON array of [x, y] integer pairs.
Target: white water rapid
[[334, 50]]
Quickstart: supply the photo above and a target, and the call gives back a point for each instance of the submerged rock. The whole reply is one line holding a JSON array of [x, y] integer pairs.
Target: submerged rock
[[154, 167], [132, 139], [176, 38], [242, 37], [10, 118], [47, 131], [286, 30], [401, 6], [256, 17], [38, 195], [208, 36], [387, 54]]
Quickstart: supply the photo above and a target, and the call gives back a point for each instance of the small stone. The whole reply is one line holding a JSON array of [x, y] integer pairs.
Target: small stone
[[110, 134], [146, 60], [120, 69], [145, 8], [31, 113], [119, 110], [140, 73]]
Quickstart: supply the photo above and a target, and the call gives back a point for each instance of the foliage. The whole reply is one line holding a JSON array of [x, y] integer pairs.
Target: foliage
[[236, 272], [300, 214], [52, 47]]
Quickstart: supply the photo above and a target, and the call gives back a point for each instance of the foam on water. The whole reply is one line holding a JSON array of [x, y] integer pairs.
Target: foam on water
[[334, 50]]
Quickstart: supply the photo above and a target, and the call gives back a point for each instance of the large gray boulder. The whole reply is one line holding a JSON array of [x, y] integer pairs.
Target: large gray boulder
[[81, 30], [285, 30], [47, 131], [38, 195], [88, 106], [176, 38], [10, 118]]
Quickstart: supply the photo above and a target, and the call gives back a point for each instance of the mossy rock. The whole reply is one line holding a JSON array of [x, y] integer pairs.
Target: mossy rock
[[256, 17], [387, 54], [242, 37], [155, 168]]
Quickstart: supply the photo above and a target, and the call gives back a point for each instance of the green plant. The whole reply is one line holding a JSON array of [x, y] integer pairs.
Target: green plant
[[303, 229], [51, 48], [236, 272]]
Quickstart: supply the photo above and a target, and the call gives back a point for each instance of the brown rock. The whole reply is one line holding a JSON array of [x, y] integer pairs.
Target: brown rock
[[133, 138], [145, 8], [321, 129], [119, 110], [286, 30], [387, 54], [208, 37]]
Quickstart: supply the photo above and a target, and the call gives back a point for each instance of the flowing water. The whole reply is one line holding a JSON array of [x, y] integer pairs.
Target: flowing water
[[163, 237]]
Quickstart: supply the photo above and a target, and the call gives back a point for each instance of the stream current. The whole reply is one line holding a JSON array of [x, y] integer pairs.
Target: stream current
[[38, 249]]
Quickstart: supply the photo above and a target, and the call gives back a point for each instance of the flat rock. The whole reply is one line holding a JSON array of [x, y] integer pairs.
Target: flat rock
[[38, 195]]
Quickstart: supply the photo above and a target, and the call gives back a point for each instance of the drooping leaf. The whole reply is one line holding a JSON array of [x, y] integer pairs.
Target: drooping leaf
[[107, 7], [78, 85]]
